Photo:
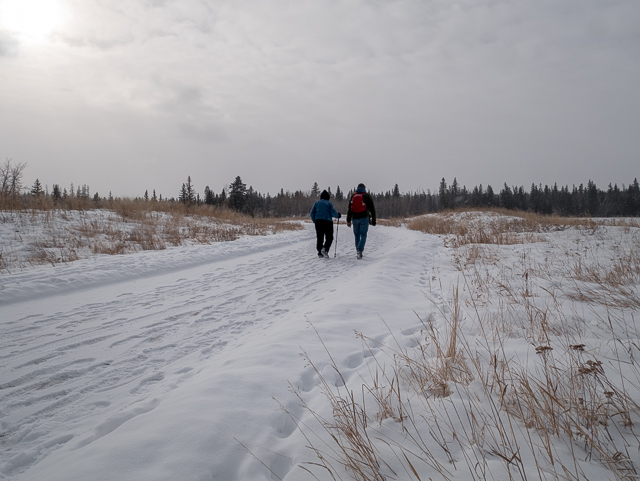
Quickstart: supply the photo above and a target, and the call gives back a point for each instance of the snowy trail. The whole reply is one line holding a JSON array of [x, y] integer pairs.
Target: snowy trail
[[91, 350]]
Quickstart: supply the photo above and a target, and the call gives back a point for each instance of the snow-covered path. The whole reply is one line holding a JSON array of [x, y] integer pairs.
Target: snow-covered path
[[147, 366]]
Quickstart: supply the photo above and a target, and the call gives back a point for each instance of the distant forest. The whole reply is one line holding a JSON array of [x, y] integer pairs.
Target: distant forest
[[576, 201]]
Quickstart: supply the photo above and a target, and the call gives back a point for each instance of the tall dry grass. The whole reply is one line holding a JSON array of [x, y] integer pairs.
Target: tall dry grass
[[529, 370]]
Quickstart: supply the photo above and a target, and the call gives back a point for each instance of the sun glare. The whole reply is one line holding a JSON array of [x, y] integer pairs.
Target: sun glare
[[33, 19]]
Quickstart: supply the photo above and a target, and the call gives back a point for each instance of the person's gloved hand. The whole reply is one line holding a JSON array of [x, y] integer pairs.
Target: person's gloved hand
[[339, 215], [348, 223], [372, 221]]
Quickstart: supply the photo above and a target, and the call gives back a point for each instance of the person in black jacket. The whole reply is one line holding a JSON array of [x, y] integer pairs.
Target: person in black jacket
[[361, 212], [322, 213]]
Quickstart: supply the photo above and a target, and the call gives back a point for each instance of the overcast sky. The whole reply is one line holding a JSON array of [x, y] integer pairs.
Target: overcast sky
[[129, 95]]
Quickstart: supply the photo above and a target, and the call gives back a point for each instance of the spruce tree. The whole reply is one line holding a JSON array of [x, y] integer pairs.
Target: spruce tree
[[182, 197], [237, 194], [454, 192], [209, 198], [593, 204], [187, 193], [506, 197], [490, 196], [56, 194], [442, 194], [36, 190]]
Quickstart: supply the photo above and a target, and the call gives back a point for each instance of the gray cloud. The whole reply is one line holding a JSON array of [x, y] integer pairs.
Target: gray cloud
[[293, 92]]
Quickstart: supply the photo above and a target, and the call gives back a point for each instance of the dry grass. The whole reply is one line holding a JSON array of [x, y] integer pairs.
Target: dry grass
[[56, 236], [503, 227], [453, 400]]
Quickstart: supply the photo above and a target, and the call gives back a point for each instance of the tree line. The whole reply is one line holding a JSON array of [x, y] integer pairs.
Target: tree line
[[581, 200]]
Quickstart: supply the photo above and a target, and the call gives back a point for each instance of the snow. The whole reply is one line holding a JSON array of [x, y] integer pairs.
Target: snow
[[173, 364]]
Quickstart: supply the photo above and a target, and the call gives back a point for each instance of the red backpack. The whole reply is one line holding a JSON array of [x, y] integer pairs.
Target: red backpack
[[357, 204]]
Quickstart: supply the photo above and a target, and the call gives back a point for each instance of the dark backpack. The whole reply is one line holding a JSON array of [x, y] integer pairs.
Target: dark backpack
[[357, 204]]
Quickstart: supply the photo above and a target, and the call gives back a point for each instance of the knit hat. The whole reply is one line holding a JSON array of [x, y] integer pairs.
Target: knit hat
[[325, 195], [361, 188]]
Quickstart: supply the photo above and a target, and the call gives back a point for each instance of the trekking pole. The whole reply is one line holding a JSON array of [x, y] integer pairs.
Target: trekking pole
[[335, 252]]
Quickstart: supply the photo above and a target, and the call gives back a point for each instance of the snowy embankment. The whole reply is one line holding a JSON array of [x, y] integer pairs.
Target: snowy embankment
[[166, 365]]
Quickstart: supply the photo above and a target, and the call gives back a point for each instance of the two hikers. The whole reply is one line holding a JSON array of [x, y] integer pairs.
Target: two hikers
[[361, 213], [322, 215]]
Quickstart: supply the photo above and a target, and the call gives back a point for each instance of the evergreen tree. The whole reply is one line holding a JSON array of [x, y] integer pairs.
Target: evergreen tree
[[454, 193], [187, 193], [506, 197], [146, 195], [237, 194], [535, 198], [593, 204], [520, 199], [315, 190], [633, 198], [475, 196], [56, 194], [252, 202], [36, 190], [182, 197], [443, 194], [209, 197], [339, 194], [490, 197]]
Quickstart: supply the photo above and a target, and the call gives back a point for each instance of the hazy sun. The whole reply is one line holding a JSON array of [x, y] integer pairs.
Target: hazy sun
[[30, 18]]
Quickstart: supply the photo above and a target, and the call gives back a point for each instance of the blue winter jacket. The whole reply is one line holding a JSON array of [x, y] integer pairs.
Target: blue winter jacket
[[323, 210]]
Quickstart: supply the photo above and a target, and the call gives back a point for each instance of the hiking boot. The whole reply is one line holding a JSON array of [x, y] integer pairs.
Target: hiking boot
[[359, 255], [320, 254], [325, 252]]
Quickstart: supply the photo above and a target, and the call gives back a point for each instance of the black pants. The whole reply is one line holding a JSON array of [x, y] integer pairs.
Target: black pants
[[324, 234]]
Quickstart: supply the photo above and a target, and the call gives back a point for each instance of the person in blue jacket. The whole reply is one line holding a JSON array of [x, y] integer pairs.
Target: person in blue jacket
[[322, 214]]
